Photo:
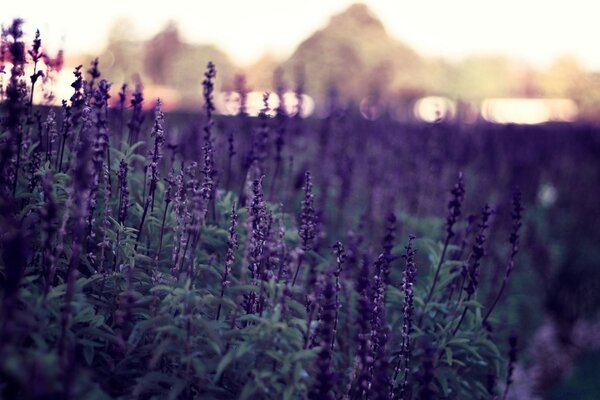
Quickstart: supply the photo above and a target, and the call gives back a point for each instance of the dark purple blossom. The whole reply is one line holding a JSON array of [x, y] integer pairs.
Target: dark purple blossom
[[517, 222], [232, 245], [408, 282], [325, 379]]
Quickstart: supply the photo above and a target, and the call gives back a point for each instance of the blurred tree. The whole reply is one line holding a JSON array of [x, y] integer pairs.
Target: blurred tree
[[352, 52], [479, 77], [122, 58], [261, 72], [567, 78], [161, 52]]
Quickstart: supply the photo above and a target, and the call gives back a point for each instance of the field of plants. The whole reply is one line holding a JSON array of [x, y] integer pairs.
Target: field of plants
[[175, 255]]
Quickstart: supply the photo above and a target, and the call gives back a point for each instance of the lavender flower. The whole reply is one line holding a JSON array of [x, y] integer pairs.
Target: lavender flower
[[77, 98], [360, 377], [232, 245], [517, 219], [35, 162], [123, 201], [379, 332], [478, 251], [122, 97], [279, 252], [51, 133], [230, 153], [93, 72], [182, 217], [123, 191], [158, 133], [195, 219], [306, 229], [35, 55], [258, 234], [340, 258], [208, 170], [137, 116], [100, 148], [121, 110], [454, 212], [155, 156], [325, 378], [512, 359], [470, 272], [209, 106], [455, 204], [410, 273], [208, 184], [16, 93]]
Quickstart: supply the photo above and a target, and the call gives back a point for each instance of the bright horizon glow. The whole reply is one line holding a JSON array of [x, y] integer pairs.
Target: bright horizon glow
[[535, 31], [528, 111]]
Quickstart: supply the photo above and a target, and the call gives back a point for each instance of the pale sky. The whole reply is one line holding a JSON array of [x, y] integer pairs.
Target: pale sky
[[536, 31]]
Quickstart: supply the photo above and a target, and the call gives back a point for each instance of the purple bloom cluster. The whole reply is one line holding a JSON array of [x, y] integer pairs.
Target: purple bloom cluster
[[258, 233], [408, 281], [325, 379], [180, 322], [232, 246], [478, 251]]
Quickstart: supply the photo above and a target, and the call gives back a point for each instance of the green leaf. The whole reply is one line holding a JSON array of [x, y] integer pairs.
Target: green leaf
[[490, 345], [448, 352], [88, 354], [228, 358]]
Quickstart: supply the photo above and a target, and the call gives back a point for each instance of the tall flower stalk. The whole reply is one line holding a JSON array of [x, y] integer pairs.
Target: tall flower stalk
[[408, 282], [326, 377], [155, 155], [256, 245], [454, 212], [307, 223], [360, 376], [232, 245], [517, 219]]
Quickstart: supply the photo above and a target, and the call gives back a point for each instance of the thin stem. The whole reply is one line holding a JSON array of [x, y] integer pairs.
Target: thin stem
[[489, 311], [462, 317], [300, 257], [162, 230], [139, 234], [437, 271], [435, 278]]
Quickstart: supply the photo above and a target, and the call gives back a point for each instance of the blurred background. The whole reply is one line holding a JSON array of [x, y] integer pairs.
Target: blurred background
[[510, 61], [484, 69]]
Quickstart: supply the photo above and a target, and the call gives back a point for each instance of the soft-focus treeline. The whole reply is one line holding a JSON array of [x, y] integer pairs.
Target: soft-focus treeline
[[355, 54]]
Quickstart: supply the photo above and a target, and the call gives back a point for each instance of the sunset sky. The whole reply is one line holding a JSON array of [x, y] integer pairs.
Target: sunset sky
[[533, 30]]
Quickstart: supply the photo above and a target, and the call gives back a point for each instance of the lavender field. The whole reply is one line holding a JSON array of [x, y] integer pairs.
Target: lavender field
[[188, 254]]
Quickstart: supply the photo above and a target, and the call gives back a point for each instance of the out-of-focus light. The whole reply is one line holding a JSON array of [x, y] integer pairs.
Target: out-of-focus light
[[255, 103], [528, 111], [434, 108], [229, 103], [170, 99], [59, 86], [370, 108], [291, 104], [547, 195]]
